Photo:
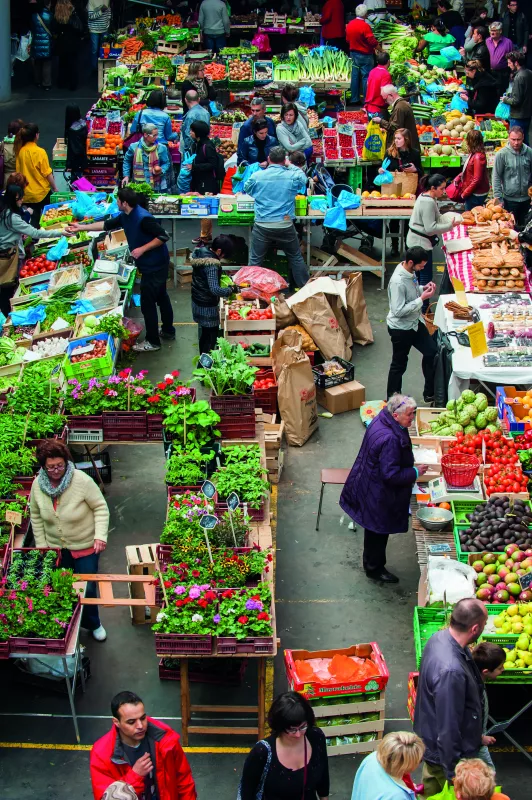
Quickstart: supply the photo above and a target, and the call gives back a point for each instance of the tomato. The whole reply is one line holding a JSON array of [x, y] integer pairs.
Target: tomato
[[516, 487]]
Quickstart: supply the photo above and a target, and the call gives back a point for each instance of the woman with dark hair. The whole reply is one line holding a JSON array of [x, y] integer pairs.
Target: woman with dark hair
[[290, 94], [255, 148], [68, 28], [76, 132], [206, 289], [475, 178], [452, 20], [291, 763], [196, 79], [33, 162], [68, 511], [7, 148], [292, 133], [481, 89], [437, 38], [204, 171], [155, 114]]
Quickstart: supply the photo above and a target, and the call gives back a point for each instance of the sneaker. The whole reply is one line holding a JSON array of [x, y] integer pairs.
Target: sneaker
[[145, 347], [100, 634], [169, 336], [200, 241]]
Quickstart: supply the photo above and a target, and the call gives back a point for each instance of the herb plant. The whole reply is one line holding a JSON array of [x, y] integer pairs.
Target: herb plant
[[187, 468], [230, 372], [192, 424]]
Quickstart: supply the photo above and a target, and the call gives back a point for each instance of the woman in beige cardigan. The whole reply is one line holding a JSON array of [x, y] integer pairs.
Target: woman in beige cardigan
[[68, 511]]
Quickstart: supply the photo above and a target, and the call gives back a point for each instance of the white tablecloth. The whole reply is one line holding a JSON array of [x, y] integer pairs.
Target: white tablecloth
[[464, 366]]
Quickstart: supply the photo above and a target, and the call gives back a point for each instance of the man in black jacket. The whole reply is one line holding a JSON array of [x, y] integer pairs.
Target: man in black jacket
[[515, 26], [448, 714], [480, 51], [519, 97]]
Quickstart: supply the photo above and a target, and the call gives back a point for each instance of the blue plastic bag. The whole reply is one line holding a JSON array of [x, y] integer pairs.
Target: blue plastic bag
[[458, 104], [335, 218], [30, 316], [328, 122], [242, 175], [184, 178], [319, 204], [307, 96], [86, 206], [348, 199], [82, 307], [502, 111], [384, 177], [450, 53], [215, 108], [58, 250]]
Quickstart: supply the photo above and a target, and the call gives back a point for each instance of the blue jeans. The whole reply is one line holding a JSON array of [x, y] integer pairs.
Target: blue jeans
[[96, 42], [90, 618], [485, 755], [362, 65], [524, 124], [474, 200], [214, 43]]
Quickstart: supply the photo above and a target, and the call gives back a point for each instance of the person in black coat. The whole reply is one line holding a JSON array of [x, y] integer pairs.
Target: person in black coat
[[205, 165], [482, 92], [199, 82], [68, 27]]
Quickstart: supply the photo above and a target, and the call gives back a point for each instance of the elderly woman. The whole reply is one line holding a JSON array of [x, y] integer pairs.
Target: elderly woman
[[68, 511], [475, 780], [386, 772], [377, 492], [146, 161]]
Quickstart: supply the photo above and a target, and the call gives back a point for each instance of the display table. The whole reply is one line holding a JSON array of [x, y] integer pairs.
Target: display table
[[465, 367]]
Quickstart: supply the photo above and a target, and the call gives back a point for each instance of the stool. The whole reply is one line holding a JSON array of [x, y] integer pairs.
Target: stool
[[337, 477]]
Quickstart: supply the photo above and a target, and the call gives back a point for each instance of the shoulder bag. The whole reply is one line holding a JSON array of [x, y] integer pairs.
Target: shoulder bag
[[133, 137], [8, 265], [454, 190], [260, 789]]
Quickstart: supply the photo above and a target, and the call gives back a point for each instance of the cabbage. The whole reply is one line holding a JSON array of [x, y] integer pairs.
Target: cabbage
[[472, 410], [491, 428], [434, 426], [456, 429], [464, 418], [481, 401], [491, 414], [468, 396], [481, 421], [471, 429], [90, 321]]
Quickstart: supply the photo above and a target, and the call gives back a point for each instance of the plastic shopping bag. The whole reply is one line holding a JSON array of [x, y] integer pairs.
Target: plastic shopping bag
[[319, 204], [263, 283], [450, 53], [242, 175], [215, 108], [86, 205], [30, 316], [447, 793], [384, 177], [348, 199], [307, 96], [458, 104], [335, 218], [374, 144], [502, 111], [58, 250], [24, 48], [184, 178]]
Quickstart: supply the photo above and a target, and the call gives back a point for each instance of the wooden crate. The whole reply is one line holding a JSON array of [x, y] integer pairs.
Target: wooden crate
[[432, 443], [140, 561], [318, 258], [424, 416], [273, 438]]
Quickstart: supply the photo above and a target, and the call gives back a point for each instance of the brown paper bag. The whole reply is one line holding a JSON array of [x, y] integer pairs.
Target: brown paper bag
[[338, 309], [296, 393], [356, 312], [284, 315], [319, 320]]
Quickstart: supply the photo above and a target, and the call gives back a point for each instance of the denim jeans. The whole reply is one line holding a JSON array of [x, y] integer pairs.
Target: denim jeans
[[524, 124], [214, 43], [484, 755], [474, 200], [284, 239], [362, 65], [152, 294], [96, 41], [90, 617]]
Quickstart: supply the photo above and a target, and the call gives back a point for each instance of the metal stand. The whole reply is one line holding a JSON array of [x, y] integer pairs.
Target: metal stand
[[500, 727]]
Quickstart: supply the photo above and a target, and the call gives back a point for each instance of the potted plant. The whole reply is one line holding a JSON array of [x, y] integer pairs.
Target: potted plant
[[245, 624], [244, 474], [187, 467], [187, 622]]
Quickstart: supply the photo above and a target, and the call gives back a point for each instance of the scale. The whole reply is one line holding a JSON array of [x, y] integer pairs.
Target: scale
[[121, 271], [442, 492]]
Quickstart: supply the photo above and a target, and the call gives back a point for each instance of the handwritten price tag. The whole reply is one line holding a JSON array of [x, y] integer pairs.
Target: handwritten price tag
[[14, 517]]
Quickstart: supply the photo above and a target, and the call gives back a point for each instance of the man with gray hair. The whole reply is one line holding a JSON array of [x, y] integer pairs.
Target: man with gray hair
[[400, 116], [499, 47], [377, 492], [195, 112], [146, 161], [258, 111], [362, 45]]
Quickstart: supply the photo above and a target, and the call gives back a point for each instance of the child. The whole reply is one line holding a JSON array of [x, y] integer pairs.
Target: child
[[489, 659], [297, 159]]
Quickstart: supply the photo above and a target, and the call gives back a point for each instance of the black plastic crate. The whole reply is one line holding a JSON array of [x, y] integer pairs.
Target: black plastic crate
[[325, 381], [103, 462]]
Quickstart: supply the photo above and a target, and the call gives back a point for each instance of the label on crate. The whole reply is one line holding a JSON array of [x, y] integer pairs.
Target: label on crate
[[208, 522], [233, 501], [79, 351], [434, 549], [14, 517], [208, 489], [206, 361]]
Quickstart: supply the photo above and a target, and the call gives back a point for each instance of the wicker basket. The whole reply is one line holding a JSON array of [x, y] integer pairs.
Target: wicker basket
[[428, 317]]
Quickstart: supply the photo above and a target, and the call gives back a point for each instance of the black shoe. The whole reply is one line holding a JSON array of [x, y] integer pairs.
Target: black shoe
[[383, 575], [169, 336], [428, 399]]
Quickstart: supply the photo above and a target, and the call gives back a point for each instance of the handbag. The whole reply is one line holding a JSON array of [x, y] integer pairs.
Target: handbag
[[260, 790], [133, 137], [454, 190], [8, 266]]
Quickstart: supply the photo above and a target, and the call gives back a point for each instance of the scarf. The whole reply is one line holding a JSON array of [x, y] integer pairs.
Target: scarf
[[199, 85], [153, 161], [55, 491]]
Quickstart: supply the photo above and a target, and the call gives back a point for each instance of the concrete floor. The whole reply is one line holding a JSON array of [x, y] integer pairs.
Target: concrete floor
[[323, 598]]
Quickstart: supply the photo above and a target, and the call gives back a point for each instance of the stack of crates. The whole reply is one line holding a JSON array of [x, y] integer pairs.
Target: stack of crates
[[354, 177]]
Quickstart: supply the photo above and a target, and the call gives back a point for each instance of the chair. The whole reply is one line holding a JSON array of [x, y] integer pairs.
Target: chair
[[336, 477]]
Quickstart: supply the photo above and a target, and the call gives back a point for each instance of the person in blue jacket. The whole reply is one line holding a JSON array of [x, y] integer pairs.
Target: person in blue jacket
[[385, 774], [155, 114], [42, 21], [148, 161], [256, 148]]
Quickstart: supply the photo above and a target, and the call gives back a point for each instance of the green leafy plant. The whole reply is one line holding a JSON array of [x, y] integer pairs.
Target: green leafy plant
[[192, 423], [112, 324], [36, 390], [191, 610], [245, 613], [230, 372], [244, 474], [20, 505], [187, 468]]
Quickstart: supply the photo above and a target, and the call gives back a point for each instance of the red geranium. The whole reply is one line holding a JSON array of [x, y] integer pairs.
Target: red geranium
[[243, 620], [263, 615]]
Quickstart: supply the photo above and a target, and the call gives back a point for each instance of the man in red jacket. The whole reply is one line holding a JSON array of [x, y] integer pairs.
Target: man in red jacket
[[362, 44], [378, 77], [143, 752], [332, 23]]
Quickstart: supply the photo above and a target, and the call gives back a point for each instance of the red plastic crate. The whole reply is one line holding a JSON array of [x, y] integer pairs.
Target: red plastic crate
[[58, 436], [26, 483], [4, 650], [255, 514], [233, 404], [244, 427], [173, 490], [88, 422], [154, 427], [230, 645], [46, 647], [183, 643], [234, 677], [310, 355], [125, 425], [266, 398]]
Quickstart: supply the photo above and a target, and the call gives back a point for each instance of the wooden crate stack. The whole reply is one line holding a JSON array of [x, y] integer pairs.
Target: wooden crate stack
[[141, 561], [273, 438]]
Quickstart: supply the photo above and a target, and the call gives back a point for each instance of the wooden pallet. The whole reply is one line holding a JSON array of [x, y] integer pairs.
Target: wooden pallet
[[141, 561]]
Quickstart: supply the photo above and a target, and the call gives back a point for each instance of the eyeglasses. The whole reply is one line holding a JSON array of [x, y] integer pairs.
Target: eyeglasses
[[299, 729], [57, 468]]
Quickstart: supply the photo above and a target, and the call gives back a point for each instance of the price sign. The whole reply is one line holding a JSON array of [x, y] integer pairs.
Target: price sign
[[458, 287], [14, 517], [206, 361], [208, 522], [97, 143], [346, 127], [477, 339], [525, 581], [434, 549], [233, 501], [56, 370], [113, 116], [208, 489]]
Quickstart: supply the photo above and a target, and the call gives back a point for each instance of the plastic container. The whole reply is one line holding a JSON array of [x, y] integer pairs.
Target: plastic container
[[95, 367], [459, 469], [323, 381], [230, 645], [232, 404], [125, 426], [182, 643], [266, 398]]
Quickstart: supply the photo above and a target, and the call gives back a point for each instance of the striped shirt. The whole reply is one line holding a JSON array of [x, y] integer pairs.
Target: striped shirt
[[99, 19], [209, 317]]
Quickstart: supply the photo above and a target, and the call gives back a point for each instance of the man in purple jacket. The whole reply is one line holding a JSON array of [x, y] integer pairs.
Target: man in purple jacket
[[377, 492], [499, 47]]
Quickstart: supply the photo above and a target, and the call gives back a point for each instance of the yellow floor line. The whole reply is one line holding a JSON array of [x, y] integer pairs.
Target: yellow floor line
[[82, 747]]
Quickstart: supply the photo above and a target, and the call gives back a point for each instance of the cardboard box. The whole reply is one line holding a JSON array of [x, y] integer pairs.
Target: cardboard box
[[315, 689], [116, 243], [345, 397]]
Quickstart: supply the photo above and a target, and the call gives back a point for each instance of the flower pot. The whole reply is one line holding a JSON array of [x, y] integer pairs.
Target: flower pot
[[46, 647], [230, 645], [183, 643]]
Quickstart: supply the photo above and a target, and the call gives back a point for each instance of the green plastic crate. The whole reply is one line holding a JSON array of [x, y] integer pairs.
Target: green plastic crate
[[462, 507], [354, 177], [94, 368], [62, 197], [518, 675]]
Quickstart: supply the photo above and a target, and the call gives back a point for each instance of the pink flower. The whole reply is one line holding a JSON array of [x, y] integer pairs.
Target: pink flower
[[140, 390]]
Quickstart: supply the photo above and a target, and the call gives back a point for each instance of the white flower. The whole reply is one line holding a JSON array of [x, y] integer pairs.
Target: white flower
[[168, 377], [161, 616], [197, 618]]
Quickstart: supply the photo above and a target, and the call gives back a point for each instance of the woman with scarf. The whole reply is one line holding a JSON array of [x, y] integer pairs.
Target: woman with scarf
[[68, 511], [196, 79], [292, 133], [146, 161]]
